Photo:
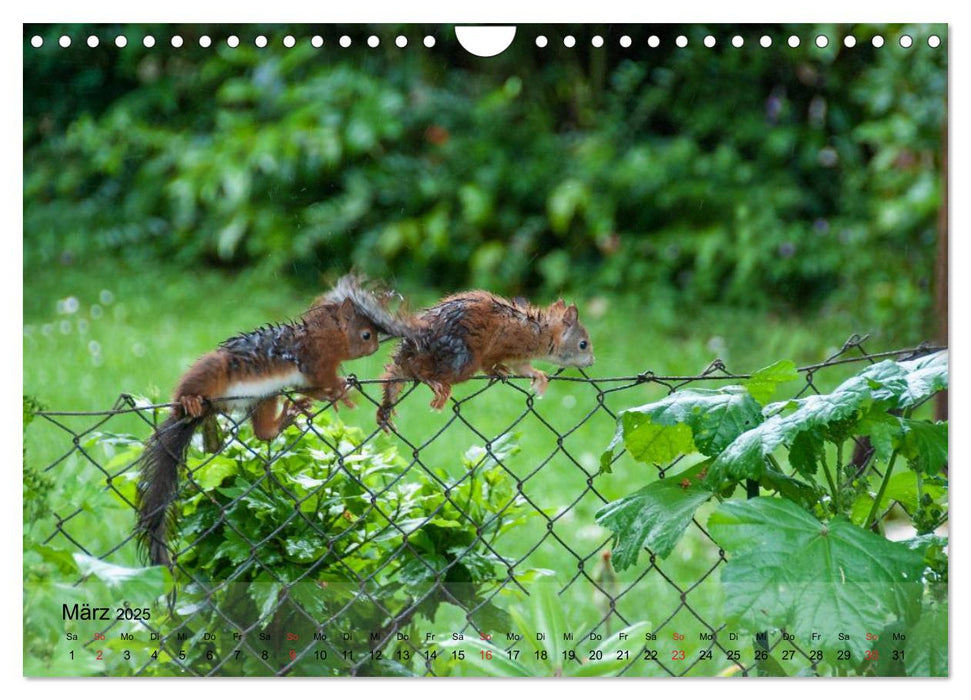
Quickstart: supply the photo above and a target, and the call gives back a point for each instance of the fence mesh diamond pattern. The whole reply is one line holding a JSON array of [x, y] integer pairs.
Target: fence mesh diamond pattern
[[344, 550]]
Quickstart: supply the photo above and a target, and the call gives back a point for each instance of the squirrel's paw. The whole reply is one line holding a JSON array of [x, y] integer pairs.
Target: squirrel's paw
[[442, 392], [192, 405], [540, 382], [501, 371], [302, 405]]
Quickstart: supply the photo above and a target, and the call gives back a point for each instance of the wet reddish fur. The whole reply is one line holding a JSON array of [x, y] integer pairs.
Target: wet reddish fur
[[500, 345]]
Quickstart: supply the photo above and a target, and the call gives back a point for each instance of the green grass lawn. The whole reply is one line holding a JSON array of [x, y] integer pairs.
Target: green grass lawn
[[94, 332]]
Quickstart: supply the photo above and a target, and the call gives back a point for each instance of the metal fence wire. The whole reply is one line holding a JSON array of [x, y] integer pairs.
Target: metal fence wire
[[575, 548]]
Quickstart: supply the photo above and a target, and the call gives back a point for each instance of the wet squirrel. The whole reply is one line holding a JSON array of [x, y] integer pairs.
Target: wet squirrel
[[477, 331], [247, 372]]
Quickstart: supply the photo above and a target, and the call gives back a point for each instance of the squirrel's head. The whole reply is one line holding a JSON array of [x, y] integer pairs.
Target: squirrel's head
[[362, 336], [571, 342]]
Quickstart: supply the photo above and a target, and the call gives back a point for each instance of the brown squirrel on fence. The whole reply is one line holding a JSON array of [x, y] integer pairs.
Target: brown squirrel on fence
[[477, 331], [247, 372]]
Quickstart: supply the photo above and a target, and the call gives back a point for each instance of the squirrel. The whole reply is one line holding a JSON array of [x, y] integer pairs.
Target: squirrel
[[247, 372], [478, 331]]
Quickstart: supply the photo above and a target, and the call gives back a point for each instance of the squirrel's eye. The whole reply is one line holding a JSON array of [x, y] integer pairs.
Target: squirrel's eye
[[583, 344], [366, 335]]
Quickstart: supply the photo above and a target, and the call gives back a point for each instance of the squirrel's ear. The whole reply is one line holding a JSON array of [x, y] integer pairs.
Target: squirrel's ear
[[559, 305], [346, 312], [570, 315]]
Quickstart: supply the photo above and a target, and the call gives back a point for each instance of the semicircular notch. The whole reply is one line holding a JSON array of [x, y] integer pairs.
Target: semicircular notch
[[485, 41]]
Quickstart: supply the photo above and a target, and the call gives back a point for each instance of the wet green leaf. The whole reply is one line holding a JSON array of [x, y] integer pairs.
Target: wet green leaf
[[787, 569], [762, 384], [654, 517]]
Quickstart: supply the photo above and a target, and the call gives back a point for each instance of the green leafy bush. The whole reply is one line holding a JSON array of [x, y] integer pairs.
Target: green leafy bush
[[759, 177], [810, 558], [318, 532], [336, 528]]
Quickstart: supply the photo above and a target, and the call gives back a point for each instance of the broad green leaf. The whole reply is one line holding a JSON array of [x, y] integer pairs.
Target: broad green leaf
[[761, 385], [305, 549], [926, 653], [924, 445], [422, 570], [745, 457], [653, 517], [787, 569], [693, 419], [883, 429], [791, 488], [115, 576], [925, 377], [137, 585], [806, 452], [211, 474], [487, 616], [234, 548], [265, 592]]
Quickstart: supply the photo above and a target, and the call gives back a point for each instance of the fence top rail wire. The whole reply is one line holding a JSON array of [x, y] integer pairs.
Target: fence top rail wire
[[716, 371]]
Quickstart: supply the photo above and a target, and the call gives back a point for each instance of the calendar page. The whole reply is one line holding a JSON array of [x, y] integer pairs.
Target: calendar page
[[535, 350]]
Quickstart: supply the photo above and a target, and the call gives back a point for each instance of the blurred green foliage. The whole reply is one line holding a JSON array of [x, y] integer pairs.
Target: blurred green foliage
[[782, 177]]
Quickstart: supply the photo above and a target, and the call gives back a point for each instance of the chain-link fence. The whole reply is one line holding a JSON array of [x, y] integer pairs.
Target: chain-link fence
[[338, 549]]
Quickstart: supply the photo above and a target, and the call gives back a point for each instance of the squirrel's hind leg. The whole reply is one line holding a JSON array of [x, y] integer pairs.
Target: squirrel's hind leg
[[267, 423]]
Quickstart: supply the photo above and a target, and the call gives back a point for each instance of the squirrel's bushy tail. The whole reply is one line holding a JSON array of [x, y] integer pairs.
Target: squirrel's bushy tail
[[157, 488], [370, 305]]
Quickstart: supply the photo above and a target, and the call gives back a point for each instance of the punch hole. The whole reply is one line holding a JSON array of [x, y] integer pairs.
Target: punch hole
[[260, 41], [625, 41], [148, 42], [344, 41], [653, 41], [121, 41], [906, 41], [793, 41], [429, 41], [681, 41], [933, 41], [176, 41], [849, 41], [597, 41], [877, 41], [401, 41], [822, 41], [569, 41], [541, 41], [485, 41], [289, 41], [93, 41], [317, 41], [737, 41], [64, 41], [205, 42], [233, 41], [766, 41], [710, 41], [373, 41]]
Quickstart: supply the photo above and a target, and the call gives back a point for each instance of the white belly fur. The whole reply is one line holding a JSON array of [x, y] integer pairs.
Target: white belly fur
[[260, 388]]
